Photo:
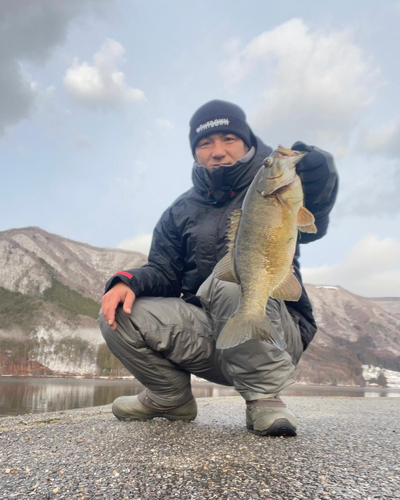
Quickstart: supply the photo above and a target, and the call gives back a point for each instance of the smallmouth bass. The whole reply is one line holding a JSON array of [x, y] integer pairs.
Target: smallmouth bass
[[262, 238]]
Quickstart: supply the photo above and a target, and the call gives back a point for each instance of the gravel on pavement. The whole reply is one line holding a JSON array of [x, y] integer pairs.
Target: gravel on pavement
[[346, 448]]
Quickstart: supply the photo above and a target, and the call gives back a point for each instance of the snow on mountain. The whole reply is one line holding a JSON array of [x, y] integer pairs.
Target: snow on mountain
[[31, 257], [372, 375]]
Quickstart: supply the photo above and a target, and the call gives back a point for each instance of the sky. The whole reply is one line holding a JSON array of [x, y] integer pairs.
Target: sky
[[96, 97]]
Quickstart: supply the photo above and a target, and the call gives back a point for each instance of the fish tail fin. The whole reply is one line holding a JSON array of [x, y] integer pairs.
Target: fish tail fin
[[242, 327]]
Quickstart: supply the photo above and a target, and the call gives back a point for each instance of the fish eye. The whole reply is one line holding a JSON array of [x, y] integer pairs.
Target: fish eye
[[267, 161]]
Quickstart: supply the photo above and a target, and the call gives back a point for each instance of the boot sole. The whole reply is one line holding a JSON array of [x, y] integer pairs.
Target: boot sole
[[138, 419], [280, 427]]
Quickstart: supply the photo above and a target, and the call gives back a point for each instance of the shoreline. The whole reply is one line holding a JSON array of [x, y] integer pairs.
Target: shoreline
[[193, 380]]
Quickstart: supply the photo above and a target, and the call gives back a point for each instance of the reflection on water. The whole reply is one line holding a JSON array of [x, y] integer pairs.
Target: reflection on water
[[25, 395], [332, 391]]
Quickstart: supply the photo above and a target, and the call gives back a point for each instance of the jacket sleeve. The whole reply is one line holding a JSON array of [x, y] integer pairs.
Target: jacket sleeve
[[320, 181], [162, 275]]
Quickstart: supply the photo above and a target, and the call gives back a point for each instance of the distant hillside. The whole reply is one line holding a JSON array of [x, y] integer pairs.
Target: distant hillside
[[390, 304], [50, 290], [352, 331], [32, 261]]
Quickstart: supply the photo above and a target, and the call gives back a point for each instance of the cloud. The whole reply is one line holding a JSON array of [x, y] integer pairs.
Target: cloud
[[17, 92], [101, 85], [49, 111], [165, 128], [139, 244], [370, 186], [370, 268], [318, 82], [165, 124], [384, 139], [29, 32]]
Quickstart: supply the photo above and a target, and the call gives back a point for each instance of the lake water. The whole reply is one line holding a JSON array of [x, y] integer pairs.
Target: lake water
[[37, 395]]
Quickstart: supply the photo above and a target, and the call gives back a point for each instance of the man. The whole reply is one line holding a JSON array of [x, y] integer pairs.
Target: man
[[174, 309]]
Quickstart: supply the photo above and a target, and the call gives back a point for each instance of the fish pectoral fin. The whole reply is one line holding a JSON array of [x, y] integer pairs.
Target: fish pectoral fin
[[304, 217], [288, 289], [305, 221], [312, 228], [224, 269]]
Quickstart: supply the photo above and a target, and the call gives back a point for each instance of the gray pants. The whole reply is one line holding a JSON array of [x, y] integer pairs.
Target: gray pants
[[164, 340]]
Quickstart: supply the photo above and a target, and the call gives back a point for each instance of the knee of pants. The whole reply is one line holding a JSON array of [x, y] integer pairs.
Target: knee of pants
[[126, 335], [105, 328]]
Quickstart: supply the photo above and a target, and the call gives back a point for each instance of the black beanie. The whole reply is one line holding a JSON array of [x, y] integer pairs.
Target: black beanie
[[218, 116]]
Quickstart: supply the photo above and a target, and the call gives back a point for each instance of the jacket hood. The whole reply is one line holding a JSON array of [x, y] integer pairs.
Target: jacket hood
[[224, 182]]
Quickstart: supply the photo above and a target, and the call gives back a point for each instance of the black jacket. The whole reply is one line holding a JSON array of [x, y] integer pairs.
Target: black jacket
[[189, 239]]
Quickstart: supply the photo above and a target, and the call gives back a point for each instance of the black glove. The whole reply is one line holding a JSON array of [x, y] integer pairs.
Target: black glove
[[313, 170]]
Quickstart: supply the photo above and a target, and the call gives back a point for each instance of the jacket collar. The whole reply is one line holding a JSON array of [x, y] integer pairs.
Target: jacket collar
[[223, 183]]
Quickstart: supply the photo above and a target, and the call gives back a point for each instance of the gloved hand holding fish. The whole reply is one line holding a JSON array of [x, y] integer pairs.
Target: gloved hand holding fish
[[262, 239]]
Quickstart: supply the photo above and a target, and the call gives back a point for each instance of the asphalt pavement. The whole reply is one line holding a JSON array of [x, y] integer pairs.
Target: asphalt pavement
[[346, 448]]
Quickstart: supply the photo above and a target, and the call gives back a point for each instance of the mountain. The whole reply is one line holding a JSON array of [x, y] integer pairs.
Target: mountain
[[353, 332], [32, 260], [50, 291]]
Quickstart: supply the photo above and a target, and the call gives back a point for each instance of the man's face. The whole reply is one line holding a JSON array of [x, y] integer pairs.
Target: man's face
[[219, 149]]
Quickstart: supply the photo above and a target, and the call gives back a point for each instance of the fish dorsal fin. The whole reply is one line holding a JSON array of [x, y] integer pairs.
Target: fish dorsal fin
[[224, 270], [305, 221], [288, 289], [232, 227]]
